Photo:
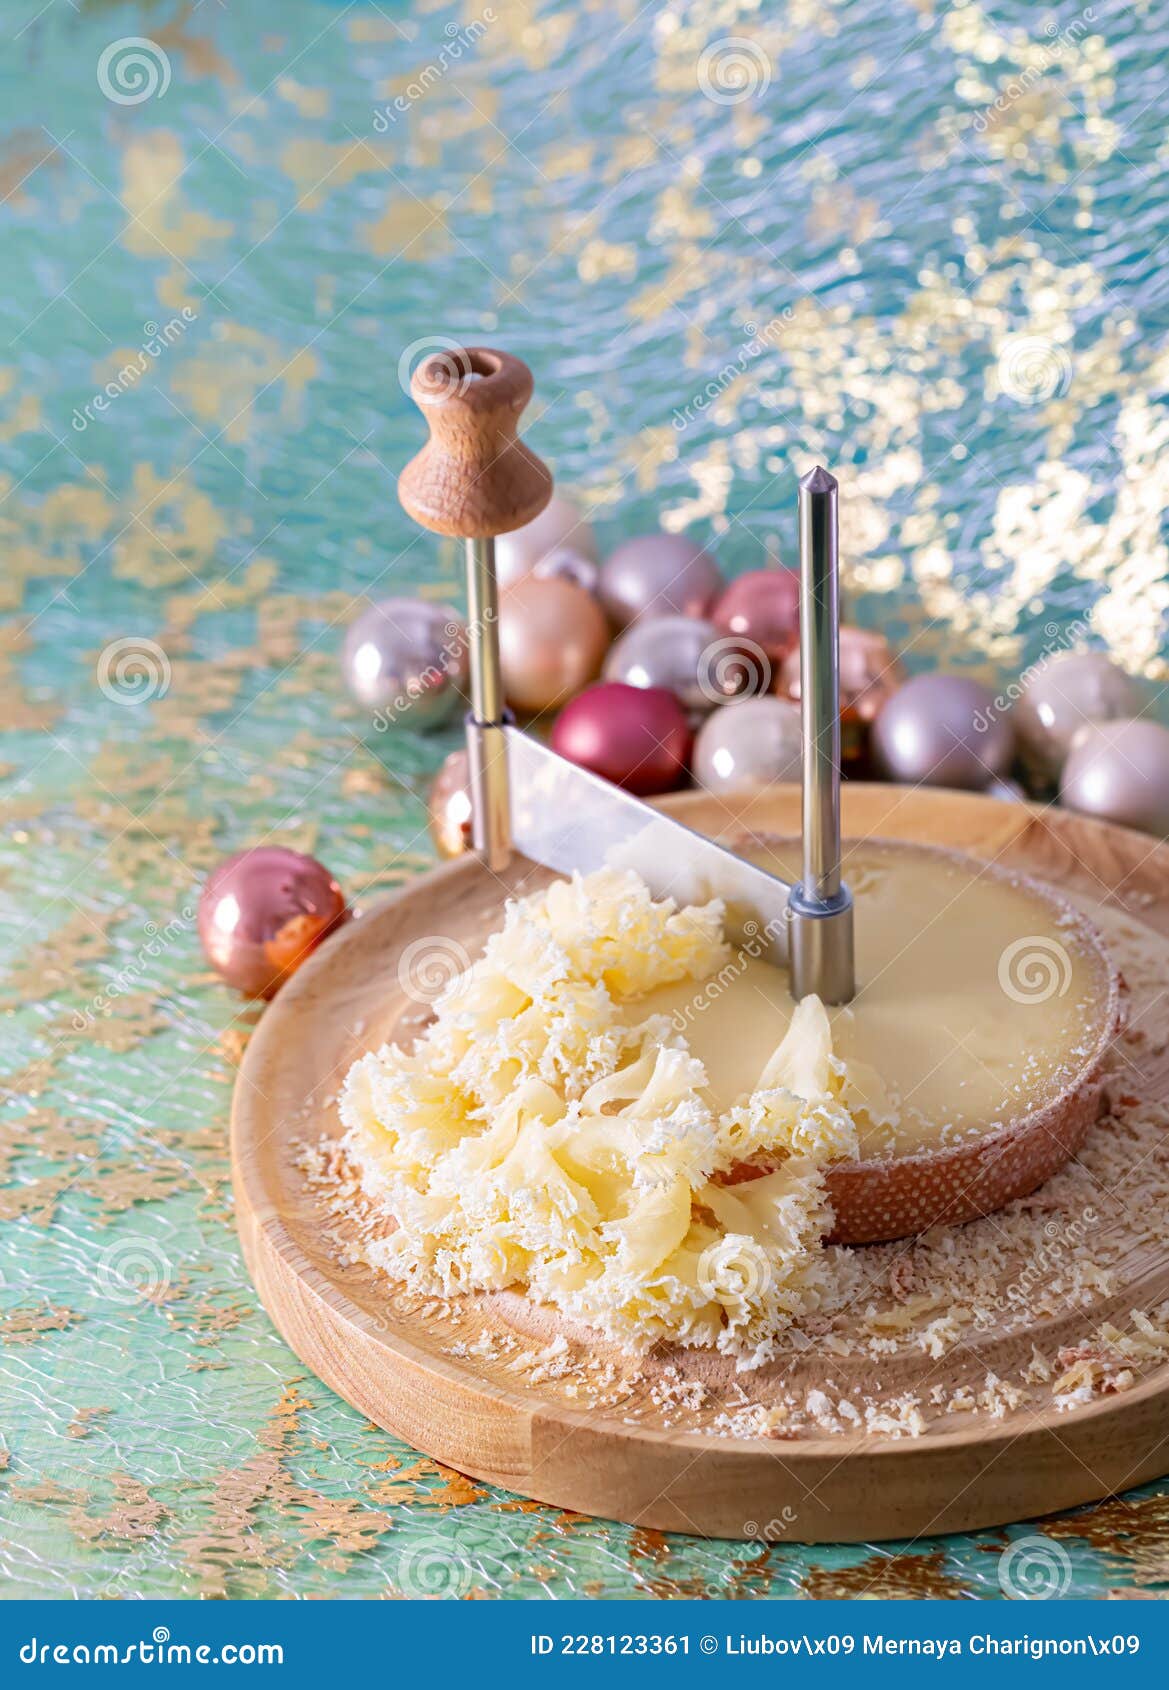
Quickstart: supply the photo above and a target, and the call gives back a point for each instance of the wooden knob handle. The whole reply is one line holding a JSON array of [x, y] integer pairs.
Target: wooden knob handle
[[473, 478]]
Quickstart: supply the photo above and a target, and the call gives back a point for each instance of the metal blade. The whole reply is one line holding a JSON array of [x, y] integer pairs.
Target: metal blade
[[568, 819]]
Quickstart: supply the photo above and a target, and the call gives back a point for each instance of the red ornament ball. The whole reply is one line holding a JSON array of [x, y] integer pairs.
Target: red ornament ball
[[637, 737], [262, 912], [762, 609]]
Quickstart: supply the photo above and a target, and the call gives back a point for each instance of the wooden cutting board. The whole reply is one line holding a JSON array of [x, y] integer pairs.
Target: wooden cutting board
[[512, 1394]]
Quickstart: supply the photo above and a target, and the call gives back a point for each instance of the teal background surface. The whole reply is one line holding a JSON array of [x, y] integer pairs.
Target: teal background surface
[[921, 241]]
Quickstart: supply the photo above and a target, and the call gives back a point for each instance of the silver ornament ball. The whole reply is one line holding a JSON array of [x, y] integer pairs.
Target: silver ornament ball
[[566, 564], [666, 651], [751, 739], [1059, 696], [559, 526], [407, 661], [943, 730], [658, 575], [1119, 771]]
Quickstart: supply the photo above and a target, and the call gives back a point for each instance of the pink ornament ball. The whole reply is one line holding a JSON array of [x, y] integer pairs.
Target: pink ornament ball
[[762, 609], [636, 737]]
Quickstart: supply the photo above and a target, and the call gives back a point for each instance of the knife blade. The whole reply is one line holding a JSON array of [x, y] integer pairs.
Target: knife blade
[[566, 818]]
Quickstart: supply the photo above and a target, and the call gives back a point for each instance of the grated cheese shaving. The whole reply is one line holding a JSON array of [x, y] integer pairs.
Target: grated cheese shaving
[[538, 1138]]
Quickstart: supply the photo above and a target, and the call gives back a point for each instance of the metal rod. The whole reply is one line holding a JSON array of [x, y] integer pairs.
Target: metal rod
[[483, 632], [486, 740], [820, 682], [820, 907]]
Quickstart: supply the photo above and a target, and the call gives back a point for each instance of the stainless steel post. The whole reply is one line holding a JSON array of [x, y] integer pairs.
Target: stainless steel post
[[486, 740], [820, 906]]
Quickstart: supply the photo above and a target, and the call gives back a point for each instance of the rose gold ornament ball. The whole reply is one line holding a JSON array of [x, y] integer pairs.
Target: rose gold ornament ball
[[448, 806], [262, 912], [762, 608], [870, 673], [552, 640]]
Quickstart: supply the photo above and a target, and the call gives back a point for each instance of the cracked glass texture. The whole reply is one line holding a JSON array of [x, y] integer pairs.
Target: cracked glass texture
[[921, 245]]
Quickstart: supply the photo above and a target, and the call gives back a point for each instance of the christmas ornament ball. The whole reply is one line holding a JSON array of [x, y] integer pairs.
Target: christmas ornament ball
[[674, 652], [870, 673], [762, 607], [658, 575], [569, 565], [552, 640], [1059, 696], [448, 806], [262, 911], [636, 737], [559, 526], [1119, 771], [943, 730], [407, 661], [750, 739]]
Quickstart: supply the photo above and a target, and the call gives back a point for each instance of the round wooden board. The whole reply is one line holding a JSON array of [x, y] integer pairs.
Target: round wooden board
[[406, 1365]]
